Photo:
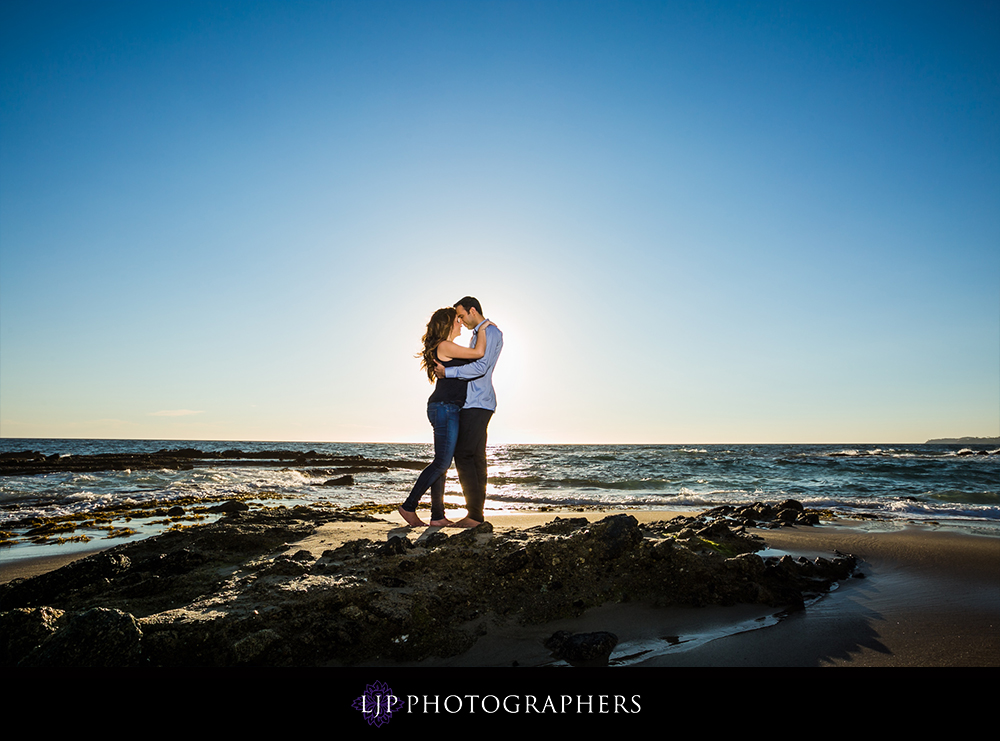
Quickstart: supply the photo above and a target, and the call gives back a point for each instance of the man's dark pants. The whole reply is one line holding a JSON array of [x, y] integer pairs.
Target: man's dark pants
[[470, 459]]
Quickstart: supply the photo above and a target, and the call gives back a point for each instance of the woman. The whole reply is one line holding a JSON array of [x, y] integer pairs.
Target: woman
[[443, 408]]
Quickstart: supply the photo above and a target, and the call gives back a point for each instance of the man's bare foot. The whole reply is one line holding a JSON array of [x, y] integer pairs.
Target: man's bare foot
[[443, 522], [411, 517], [466, 522]]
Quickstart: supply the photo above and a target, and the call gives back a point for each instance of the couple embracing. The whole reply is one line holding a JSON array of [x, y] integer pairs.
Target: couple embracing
[[459, 409]]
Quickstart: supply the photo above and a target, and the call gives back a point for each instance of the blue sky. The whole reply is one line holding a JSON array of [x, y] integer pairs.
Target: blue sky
[[694, 222]]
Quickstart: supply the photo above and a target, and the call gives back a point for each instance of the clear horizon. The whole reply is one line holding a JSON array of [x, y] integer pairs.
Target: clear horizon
[[726, 222]]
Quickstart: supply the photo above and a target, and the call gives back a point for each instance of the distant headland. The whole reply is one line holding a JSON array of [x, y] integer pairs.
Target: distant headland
[[965, 441]]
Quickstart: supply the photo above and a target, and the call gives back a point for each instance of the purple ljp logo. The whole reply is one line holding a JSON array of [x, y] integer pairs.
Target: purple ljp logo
[[377, 704]]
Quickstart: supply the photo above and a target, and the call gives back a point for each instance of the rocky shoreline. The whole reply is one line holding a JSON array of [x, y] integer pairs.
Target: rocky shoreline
[[237, 592], [114, 520], [31, 462]]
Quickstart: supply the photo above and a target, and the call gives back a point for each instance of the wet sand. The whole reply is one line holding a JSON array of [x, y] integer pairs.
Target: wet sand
[[25, 568]]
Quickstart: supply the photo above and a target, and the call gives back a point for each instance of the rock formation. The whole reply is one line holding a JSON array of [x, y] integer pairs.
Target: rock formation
[[31, 462], [236, 593]]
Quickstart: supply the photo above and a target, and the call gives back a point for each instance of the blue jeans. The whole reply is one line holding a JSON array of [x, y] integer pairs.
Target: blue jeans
[[444, 419]]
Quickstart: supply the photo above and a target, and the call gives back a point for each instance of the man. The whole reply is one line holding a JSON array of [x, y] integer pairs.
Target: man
[[480, 403]]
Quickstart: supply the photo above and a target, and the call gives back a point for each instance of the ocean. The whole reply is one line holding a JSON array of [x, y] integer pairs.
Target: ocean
[[944, 484]]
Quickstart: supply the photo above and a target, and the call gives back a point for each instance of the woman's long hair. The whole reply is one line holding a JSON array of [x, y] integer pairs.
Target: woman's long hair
[[438, 329]]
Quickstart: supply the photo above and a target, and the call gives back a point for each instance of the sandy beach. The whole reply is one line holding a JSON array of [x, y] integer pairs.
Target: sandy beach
[[929, 597]]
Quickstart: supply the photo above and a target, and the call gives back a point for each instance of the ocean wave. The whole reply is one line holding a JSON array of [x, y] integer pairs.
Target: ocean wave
[[931, 510], [930, 453], [989, 498], [572, 483], [888, 480]]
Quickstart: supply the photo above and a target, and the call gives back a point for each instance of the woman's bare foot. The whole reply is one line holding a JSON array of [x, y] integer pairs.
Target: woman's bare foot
[[411, 517], [466, 522], [443, 522]]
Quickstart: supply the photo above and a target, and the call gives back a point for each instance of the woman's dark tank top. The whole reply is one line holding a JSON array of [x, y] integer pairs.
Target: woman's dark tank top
[[450, 390]]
